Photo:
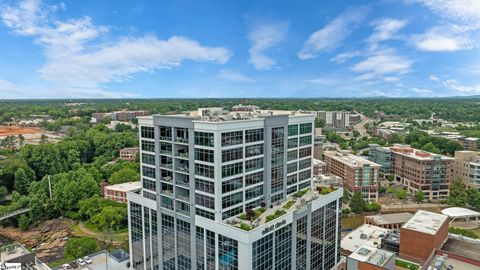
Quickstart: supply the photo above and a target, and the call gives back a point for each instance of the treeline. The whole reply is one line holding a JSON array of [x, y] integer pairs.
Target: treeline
[[62, 179], [455, 109]]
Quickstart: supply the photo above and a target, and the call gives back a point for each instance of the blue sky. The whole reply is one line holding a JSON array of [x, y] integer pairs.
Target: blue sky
[[266, 48]]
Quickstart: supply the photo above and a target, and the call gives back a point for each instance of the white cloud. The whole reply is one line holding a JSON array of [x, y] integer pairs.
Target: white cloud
[[234, 76], [464, 89], [331, 35], [422, 90], [382, 64], [264, 36], [434, 78], [444, 38], [391, 79], [343, 57], [78, 58], [385, 29], [465, 10]]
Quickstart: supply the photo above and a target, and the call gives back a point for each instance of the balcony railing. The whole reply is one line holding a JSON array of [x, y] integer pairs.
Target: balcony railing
[[167, 166], [166, 152], [181, 140], [183, 212], [183, 183], [165, 138], [182, 155], [183, 169], [166, 179], [183, 198]]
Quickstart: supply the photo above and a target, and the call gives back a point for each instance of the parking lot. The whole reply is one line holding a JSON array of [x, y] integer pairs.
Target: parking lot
[[99, 262]]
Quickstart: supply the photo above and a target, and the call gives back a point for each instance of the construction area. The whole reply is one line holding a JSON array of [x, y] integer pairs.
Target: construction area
[[31, 135]]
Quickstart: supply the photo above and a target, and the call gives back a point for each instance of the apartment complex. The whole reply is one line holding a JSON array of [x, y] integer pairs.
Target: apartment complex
[[421, 170], [467, 168], [338, 119], [128, 153], [382, 156], [358, 174], [118, 115], [119, 192], [205, 172]]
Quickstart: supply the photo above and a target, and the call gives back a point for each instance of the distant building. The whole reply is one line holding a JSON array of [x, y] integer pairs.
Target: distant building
[[371, 258], [118, 192], [467, 168], [388, 221], [422, 234], [336, 119], [118, 115], [381, 155], [319, 167], [358, 174], [469, 143], [129, 153], [421, 170]]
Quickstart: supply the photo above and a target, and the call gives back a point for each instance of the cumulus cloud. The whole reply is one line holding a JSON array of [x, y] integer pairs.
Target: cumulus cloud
[[462, 89], [343, 57], [235, 76], [263, 36], [444, 38], [331, 35], [465, 10], [77, 57]]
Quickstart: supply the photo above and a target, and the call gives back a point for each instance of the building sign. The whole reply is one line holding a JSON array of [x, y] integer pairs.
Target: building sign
[[272, 227], [10, 266]]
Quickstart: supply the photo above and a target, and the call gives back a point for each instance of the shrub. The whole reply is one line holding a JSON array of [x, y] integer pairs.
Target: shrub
[[245, 227], [79, 247], [346, 211], [243, 216], [288, 205], [463, 232]]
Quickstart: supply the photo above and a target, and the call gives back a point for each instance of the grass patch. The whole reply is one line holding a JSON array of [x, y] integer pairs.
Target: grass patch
[[275, 215], [300, 193], [288, 205], [406, 264], [244, 216], [464, 232]]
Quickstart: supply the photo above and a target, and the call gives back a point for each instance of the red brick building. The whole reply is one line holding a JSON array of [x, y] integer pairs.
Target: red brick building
[[128, 154]]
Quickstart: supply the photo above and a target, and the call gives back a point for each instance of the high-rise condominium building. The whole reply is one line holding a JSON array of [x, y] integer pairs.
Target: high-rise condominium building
[[358, 174], [231, 190], [467, 168]]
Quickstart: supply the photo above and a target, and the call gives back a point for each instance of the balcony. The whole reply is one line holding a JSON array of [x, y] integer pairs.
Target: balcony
[[182, 169], [183, 197], [181, 140], [183, 183], [166, 179], [166, 152], [165, 138], [182, 155], [168, 166]]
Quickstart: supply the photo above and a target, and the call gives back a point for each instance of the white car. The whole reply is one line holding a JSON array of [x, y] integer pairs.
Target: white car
[[66, 266], [81, 262], [87, 260]]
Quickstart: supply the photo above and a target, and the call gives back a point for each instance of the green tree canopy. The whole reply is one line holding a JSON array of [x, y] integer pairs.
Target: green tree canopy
[[124, 175], [458, 194], [22, 181], [79, 247], [357, 204]]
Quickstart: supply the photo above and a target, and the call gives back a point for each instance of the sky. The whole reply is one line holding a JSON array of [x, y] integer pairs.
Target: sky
[[227, 48]]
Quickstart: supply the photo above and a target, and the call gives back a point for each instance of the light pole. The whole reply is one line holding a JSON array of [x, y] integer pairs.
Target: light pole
[[106, 260]]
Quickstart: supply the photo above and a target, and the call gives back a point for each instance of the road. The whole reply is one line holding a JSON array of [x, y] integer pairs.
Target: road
[[360, 126]]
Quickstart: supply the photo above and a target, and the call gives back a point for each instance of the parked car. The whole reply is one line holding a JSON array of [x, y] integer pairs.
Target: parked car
[[81, 262], [66, 266], [87, 259], [74, 264]]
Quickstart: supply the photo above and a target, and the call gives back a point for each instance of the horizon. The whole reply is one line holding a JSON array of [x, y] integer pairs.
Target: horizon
[[177, 49]]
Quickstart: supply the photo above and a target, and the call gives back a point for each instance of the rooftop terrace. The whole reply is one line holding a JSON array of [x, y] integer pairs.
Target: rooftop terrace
[[350, 160], [425, 222]]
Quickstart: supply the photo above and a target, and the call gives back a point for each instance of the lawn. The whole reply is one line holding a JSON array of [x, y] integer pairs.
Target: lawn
[[406, 264]]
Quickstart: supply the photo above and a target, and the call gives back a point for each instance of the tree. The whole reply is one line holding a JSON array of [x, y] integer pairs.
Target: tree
[[23, 222], [346, 196], [21, 140], [123, 176], [79, 247], [357, 204], [22, 181], [3, 193], [458, 195], [401, 194], [8, 142], [419, 196], [44, 138], [110, 217], [473, 199], [373, 207]]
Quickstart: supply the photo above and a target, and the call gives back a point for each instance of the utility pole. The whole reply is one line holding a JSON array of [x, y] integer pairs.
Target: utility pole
[[49, 187]]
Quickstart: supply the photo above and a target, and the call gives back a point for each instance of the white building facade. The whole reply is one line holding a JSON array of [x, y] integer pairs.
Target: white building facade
[[201, 171]]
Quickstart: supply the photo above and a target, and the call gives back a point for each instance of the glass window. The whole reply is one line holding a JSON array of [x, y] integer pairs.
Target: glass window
[[253, 164], [204, 170], [292, 143], [204, 138], [165, 133], [232, 138], [148, 146], [232, 154], [204, 185], [149, 184], [253, 192], [149, 172], [262, 253], [292, 155], [205, 214], [292, 167], [305, 152], [232, 184], [253, 135], [305, 128], [254, 150], [303, 164], [205, 155], [147, 132], [292, 179], [232, 199], [304, 175], [232, 169], [228, 253], [292, 130], [205, 201], [254, 178], [305, 140], [232, 212], [148, 159]]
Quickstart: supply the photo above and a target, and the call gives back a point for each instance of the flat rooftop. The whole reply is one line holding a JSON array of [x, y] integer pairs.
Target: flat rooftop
[[455, 263], [463, 248], [391, 218], [350, 160], [425, 222], [372, 255], [12, 251], [125, 187], [365, 235], [417, 153]]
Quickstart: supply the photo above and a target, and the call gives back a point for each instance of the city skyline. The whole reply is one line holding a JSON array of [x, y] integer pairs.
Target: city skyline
[[146, 49]]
